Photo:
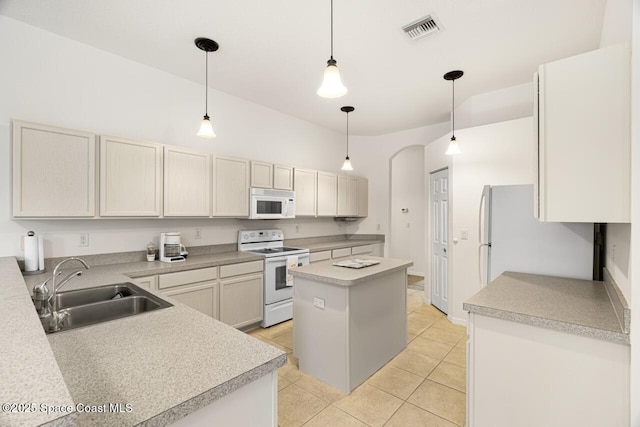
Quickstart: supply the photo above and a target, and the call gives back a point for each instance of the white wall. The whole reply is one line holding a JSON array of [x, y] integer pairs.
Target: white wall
[[616, 24], [49, 79], [495, 154], [406, 234]]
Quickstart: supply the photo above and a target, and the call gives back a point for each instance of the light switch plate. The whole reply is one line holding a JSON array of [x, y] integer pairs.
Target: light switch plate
[[318, 302]]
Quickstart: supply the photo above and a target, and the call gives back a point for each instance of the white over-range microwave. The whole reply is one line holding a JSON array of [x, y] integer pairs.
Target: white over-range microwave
[[271, 204]]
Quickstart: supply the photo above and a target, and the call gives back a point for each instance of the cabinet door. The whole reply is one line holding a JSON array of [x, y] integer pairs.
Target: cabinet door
[[584, 137], [202, 297], [231, 187], [305, 188], [186, 182], [241, 300], [130, 177], [149, 282], [283, 177], [54, 171], [363, 197], [261, 174], [327, 194], [347, 196]]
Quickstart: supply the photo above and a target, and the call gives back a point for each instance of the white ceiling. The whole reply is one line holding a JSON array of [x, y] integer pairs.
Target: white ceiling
[[274, 52]]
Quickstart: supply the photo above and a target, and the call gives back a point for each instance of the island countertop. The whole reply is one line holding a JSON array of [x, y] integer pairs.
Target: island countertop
[[581, 307], [165, 363], [325, 271]]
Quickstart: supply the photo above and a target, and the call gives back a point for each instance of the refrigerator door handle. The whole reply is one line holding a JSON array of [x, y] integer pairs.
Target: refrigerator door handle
[[480, 246], [480, 217]]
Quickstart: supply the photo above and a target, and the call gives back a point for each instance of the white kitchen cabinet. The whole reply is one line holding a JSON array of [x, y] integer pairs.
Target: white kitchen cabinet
[[241, 293], [327, 194], [523, 375], [198, 289], [261, 174], [363, 197], [130, 177], [305, 182], [339, 253], [347, 196], [186, 182], [282, 177], [148, 282], [231, 187], [582, 112], [54, 171], [319, 256]]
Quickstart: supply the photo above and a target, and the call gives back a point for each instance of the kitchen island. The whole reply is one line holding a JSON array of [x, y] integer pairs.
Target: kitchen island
[[173, 365], [349, 322], [548, 351]]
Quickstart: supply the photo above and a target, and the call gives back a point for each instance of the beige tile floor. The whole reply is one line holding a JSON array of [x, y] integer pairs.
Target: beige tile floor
[[422, 386]]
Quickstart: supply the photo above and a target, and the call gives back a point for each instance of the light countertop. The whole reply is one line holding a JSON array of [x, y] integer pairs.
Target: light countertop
[[581, 307], [165, 363], [325, 271]]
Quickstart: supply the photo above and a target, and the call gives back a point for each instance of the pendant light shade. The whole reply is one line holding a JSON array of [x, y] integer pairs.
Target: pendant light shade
[[453, 148], [332, 86], [206, 127], [346, 166]]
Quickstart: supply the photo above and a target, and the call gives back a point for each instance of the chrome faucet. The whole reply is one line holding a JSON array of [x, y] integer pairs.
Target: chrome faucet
[[45, 300]]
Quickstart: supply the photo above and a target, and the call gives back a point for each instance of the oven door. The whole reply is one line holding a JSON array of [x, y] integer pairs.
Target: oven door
[[275, 278]]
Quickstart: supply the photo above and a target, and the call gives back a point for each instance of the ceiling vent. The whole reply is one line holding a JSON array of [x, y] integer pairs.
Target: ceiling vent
[[422, 28]]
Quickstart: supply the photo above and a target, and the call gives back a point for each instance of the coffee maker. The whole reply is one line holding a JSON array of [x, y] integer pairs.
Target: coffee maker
[[171, 250]]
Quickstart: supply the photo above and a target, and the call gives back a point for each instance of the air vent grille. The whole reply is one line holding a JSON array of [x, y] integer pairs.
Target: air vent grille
[[423, 27]]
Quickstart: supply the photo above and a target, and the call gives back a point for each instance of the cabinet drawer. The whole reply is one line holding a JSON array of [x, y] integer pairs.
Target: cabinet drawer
[[366, 249], [319, 256], [243, 268], [148, 282], [186, 277], [337, 253]]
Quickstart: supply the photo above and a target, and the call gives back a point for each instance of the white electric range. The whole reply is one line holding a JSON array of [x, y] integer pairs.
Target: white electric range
[[278, 285]]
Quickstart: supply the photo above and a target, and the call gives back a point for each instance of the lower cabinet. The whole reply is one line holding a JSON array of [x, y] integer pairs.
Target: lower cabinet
[[241, 293], [231, 293], [198, 289]]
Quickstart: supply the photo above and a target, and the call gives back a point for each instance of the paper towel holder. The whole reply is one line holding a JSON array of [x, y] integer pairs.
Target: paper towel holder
[[33, 272]]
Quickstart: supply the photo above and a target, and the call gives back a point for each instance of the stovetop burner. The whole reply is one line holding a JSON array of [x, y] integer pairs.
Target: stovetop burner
[[274, 250]]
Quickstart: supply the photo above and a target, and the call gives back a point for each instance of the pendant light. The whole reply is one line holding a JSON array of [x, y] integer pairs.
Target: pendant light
[[453, 144], [346, 166], [206, 128], [332, 86]]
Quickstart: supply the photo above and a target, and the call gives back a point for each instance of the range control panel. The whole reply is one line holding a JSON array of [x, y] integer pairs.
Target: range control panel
[[255, 236]]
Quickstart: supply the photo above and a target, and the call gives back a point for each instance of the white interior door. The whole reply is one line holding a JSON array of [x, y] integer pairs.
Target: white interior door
[[440, 239]]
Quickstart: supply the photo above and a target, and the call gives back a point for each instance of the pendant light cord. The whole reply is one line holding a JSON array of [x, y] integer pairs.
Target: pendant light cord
[[347, 135], [332, 30], [206, 84], [453, 109]]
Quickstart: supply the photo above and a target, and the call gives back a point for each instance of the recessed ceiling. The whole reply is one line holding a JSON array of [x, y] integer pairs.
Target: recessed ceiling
[[274, 52]]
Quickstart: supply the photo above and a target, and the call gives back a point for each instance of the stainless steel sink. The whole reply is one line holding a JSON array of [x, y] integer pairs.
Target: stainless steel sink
[[96, 305]]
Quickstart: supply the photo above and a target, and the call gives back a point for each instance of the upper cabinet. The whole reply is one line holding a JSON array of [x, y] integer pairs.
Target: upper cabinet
[[230, 187], [582, 112], [347, 196], [130, 178], [363, 197], [327, 194], [261, 174], [268, 175], [54, 171], [186, 182], [282, 177], [305, 188]]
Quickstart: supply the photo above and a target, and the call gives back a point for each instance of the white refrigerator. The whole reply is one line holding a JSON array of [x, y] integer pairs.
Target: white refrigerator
[[512, 239]]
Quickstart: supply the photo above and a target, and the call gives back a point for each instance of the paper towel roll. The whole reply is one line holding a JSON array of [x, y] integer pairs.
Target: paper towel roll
[[40, 253], [30, 252]]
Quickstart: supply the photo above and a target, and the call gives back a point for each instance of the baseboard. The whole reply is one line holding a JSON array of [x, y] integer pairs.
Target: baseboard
[[415, 273], [457, 321]]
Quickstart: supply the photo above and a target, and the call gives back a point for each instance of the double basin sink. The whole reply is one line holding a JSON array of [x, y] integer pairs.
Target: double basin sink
[[100, 304]]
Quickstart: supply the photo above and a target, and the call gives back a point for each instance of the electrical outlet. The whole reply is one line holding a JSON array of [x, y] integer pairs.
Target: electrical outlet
[[198, 234], [318, 302], [297, 228], [379, 228], [84, 240], [22, 243]]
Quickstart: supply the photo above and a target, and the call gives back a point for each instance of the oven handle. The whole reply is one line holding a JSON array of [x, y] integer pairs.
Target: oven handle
[[281, 259]]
